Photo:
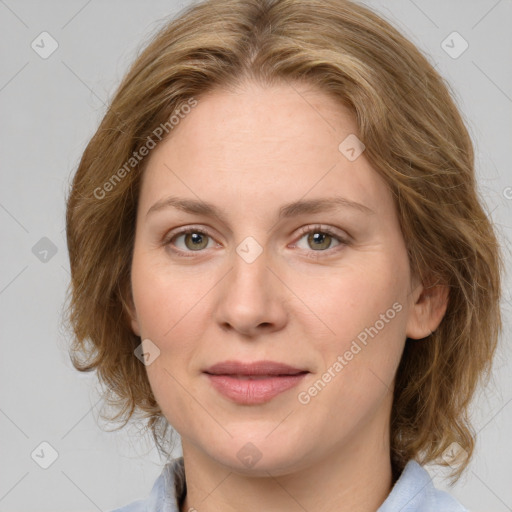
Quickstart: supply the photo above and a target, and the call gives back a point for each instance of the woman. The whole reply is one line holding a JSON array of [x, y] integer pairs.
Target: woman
[[277, 248]]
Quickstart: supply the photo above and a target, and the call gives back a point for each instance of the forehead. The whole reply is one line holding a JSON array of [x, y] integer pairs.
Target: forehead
[[263, 144], [286, 115]]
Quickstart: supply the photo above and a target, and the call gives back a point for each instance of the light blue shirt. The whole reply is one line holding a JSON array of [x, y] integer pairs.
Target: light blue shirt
[[412, 492]]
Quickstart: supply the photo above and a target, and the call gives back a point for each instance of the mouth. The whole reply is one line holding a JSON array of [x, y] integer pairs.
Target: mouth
[[254, 369], [256, 377], [253, 383]]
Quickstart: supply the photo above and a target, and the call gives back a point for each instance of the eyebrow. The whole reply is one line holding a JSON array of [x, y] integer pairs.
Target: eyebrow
[[288, 210]]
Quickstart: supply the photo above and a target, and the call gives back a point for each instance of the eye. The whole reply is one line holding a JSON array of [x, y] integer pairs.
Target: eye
[[321, 238], [194, 240]]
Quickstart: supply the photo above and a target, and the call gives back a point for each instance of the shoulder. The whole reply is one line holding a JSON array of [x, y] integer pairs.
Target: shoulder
[[165, 493], [135, 506], [414, 491]]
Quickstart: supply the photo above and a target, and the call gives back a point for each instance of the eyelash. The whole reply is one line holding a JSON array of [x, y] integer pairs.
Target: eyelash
[[303, 231]]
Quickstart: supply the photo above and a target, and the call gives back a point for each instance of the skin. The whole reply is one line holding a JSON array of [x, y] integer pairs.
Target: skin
[[249, 152]]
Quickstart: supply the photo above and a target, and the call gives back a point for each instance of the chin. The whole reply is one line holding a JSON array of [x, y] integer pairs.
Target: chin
[[257, 455]]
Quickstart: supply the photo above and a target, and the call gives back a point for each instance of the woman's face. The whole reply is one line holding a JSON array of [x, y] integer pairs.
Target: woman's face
[[320, 286]]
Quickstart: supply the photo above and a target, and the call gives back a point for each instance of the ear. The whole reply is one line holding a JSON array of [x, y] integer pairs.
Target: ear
[[134, 323], [132, 313], [427, 310]]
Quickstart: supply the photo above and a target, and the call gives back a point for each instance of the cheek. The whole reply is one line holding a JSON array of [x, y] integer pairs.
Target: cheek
[[365, 311], [346, 301], [360, 360], [171, 313], [164, 299]]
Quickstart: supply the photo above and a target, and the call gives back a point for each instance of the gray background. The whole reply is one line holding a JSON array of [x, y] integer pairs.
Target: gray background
[[49, 110]]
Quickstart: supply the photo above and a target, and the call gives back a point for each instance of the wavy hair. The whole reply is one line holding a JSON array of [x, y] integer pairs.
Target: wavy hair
[[415, 138]]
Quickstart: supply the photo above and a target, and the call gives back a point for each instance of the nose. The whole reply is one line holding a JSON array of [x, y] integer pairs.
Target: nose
[[251, 298]]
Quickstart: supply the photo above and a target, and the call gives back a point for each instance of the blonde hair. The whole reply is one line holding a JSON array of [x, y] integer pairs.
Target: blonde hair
[[414, 136]]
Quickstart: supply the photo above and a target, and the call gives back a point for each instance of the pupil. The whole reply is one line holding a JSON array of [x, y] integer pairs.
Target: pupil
[[196, 239], [319, 239]]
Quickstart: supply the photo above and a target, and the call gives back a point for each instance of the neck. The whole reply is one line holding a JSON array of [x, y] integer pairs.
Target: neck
[[355, 477]]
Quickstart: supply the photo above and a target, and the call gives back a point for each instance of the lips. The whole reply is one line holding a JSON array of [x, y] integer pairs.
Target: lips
[[253, 383], [254, 369]]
